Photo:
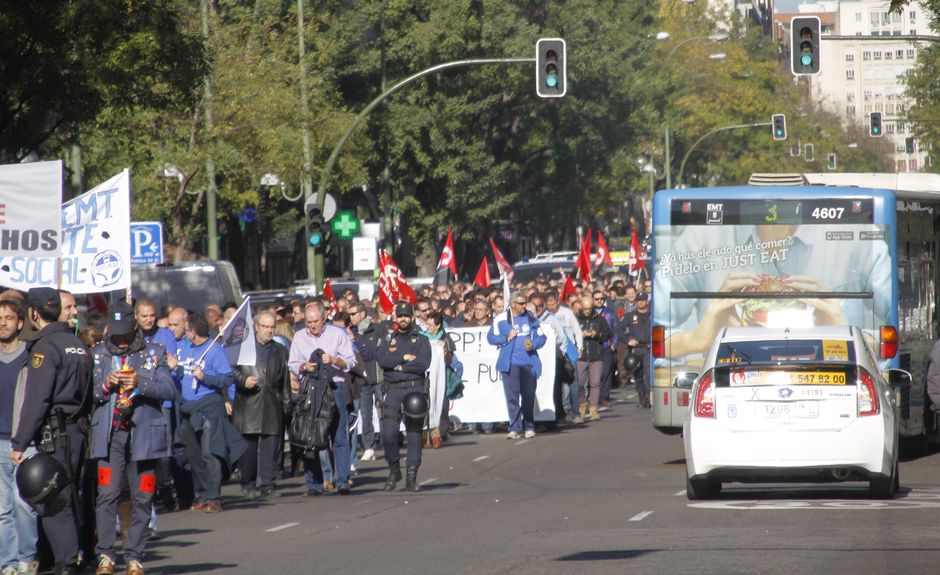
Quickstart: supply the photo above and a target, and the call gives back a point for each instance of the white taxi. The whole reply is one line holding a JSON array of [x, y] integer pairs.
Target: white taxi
[[779, 405]]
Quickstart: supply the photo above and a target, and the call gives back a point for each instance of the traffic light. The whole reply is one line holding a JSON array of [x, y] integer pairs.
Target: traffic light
[[315, 223], [550, 62], [804, 45], [809, 152], [779, 122], [832, 161], [909, 145], [874, 125]]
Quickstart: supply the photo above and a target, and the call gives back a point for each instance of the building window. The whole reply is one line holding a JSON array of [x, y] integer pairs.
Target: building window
[[874, 18], [850, 111], [888, 55], [889, 108], [896, 33], [850, 74], [901, 126], [879, 107], [912, 164], [850, 56], [866, 55], [910, 53], [902, 165], [866, 95], [913, 16], [850, 97], [899, 54], [889, 127], [895, 16], [913, 32], [877, 55]]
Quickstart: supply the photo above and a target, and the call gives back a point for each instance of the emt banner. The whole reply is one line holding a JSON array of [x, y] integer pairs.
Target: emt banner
[[96, 245]]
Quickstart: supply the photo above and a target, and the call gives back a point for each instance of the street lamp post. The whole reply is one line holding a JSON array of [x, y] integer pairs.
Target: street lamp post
[[718, 56]]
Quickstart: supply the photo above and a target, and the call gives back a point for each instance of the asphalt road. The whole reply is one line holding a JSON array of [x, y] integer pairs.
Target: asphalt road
[[608, 497]]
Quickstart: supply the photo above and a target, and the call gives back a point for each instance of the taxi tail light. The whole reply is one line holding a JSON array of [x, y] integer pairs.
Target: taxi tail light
[[659, 341], [705, 397], [867, 395], [888, 342]]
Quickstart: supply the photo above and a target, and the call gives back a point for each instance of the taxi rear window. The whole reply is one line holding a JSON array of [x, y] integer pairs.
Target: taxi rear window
[[785, 352]]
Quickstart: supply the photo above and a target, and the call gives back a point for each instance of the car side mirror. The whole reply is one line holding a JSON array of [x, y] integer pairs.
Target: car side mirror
[[685, 380], [899, 379]]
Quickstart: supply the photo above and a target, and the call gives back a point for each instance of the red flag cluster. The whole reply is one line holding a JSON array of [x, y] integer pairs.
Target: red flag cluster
[[328, 293], [636, 257], [392, 284], [448, 263], [483, 274]]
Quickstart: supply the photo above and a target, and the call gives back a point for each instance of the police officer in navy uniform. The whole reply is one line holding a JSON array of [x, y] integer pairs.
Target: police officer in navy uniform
[[59, 373], [129, 432], [639, 334], [404, 356]]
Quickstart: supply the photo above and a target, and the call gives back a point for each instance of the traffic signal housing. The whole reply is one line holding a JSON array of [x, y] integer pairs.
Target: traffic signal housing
[[804, 45], [909, 145], [550, 63], [315, 225], [779, 122], [875, 129]]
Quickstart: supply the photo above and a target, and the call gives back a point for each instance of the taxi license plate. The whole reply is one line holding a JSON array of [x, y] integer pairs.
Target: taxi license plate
[[818, 378], [787, 410]]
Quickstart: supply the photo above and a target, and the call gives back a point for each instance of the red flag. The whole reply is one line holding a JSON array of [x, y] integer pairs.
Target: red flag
[[636, 258], [568, 289], [483, 275], [447, 261], [583, 265], [502, 264], [328, 292], [603, 254], [392, 284]]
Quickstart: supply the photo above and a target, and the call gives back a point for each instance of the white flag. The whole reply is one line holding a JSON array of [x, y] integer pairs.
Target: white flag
[[238, 337]]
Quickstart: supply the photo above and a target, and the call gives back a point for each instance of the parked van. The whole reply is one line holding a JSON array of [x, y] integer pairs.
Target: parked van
[[192, 285]]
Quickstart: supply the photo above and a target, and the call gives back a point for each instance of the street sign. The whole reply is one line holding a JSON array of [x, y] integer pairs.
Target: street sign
[[345, 225], [146, 243], [365, 257]]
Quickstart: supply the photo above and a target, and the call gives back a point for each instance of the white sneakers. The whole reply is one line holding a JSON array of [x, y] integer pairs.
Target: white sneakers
[[368, 455], [529, 433], [513, 435]]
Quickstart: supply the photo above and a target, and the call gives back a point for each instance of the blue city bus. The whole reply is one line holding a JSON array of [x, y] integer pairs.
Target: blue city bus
[[767, 255]]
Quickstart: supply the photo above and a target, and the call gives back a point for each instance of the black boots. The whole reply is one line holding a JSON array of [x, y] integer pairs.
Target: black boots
[[411, 480], [394, 476]]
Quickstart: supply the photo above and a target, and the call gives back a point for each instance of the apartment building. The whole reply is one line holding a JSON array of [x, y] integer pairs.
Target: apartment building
[[865, 76]]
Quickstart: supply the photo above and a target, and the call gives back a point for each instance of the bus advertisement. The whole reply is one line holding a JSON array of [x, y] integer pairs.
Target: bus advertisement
[[774, 256]]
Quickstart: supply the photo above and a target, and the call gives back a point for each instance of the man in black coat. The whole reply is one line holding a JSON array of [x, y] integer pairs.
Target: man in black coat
[[261, 397]]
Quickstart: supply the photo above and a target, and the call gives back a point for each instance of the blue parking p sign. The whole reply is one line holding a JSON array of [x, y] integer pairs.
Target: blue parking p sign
[[146, 243]]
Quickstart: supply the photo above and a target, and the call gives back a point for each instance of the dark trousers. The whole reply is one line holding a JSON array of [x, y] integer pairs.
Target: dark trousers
[[206, 467], [391, 422], [369, 398], [142, 480], [59, 522], [259, 459], [520, 382], [607, 375]]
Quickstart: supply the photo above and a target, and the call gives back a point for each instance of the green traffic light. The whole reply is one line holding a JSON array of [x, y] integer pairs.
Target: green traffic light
[[315, 239], [875, 130], [806, 59], [551, 81]]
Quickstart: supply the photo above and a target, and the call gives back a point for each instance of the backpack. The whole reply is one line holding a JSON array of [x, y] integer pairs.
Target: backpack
[[314, 414]]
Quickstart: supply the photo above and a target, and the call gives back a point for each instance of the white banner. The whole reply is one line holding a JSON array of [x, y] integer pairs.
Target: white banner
[[30, 197], [238, 337], [96, 245], [483, 398]]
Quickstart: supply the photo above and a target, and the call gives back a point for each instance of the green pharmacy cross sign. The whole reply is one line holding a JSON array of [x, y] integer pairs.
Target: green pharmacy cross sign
[[345, 225]]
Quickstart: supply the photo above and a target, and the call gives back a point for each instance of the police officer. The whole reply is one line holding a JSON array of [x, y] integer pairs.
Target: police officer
[[59, 382], [129, 432], [639, 333], [404, 356]]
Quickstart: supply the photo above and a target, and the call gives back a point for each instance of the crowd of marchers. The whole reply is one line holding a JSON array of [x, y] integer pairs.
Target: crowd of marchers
[[139, 411]]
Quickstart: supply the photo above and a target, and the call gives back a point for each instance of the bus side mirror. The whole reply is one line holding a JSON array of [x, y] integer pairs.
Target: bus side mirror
[[685, 380]]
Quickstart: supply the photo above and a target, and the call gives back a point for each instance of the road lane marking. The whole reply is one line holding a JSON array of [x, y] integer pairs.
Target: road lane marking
[[481, 458], [641, 516], [427, 481], [282, 527], [678, 493], [522, 442]]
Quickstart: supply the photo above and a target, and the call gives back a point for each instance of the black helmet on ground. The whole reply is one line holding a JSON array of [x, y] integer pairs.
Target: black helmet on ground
[[39, 479], [632, 363], [416, 405]]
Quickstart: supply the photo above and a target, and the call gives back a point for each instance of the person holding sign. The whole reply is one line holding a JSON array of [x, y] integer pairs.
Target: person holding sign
[[518, 335]]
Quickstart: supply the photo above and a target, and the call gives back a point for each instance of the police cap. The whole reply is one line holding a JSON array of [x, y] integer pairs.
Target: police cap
[[404, 308]]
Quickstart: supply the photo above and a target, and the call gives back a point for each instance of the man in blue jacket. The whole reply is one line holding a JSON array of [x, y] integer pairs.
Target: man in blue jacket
[[518, 335], [129, 432]]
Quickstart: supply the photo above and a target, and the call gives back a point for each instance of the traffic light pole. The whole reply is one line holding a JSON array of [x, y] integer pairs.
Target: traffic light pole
[[707, 134], [328, 169]]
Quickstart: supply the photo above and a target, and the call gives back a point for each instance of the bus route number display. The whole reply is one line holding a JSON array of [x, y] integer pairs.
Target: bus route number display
[[772, 212]]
